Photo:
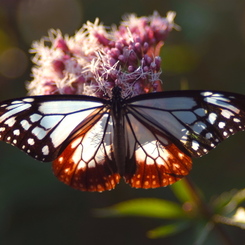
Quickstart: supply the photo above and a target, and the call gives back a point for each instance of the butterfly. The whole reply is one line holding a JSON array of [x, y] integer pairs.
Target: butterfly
[[148, 139]]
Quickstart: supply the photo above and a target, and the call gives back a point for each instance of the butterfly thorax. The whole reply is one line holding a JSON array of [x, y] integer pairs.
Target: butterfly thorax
[[116, 101], [118, 139]]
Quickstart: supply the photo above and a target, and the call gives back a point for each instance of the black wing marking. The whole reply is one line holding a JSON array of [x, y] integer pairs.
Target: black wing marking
[[162, 132], [88, 162], [195, 121], [42, 126], [153, 160]]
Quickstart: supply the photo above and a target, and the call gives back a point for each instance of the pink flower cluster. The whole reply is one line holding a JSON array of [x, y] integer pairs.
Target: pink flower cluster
[[95, 60]]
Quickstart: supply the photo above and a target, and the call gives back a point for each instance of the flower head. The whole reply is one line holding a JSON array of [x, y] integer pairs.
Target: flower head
[[95, 60]]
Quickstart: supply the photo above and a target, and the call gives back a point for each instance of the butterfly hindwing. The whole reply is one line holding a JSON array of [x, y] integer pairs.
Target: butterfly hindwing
[[88, 162], [153, 160]]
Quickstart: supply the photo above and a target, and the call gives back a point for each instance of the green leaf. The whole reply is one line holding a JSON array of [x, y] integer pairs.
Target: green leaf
[[239, 197], [228, 202], [182, 191], [202, 232], [167, 230], [223, 204], [154, 208]]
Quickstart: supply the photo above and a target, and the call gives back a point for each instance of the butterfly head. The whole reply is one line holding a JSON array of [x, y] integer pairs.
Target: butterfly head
[[117, 92]]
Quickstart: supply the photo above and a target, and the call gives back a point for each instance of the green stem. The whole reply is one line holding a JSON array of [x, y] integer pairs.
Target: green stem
[[207, 212]]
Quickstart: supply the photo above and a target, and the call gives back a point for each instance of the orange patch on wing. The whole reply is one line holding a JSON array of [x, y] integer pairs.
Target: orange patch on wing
[[168, 167], [94, 175]]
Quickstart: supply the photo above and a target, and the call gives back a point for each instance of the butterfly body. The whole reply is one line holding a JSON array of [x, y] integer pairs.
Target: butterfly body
[[148, 139], [117, 114]]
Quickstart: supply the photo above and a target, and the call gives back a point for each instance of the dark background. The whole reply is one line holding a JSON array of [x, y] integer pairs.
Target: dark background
[[208, 53]]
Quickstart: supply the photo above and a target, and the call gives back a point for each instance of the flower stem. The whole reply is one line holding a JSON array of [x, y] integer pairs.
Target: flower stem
[[207, 212]]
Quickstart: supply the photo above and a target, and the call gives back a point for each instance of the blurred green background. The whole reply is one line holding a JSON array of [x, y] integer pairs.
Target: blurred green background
[[208, 53]]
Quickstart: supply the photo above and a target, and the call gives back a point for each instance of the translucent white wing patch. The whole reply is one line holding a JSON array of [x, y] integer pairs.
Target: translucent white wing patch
[[195, 120], [87, 163], [153, 159], [161, 132], [41, 127]]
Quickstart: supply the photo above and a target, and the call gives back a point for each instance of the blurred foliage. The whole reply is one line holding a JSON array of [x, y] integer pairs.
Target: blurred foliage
[[208, 53], [189, 212]]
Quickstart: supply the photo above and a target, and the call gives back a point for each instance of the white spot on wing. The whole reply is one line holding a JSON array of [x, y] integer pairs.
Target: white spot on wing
[[227, 114], [212, 118], [25, 124], [200, 112], [206, 93], [12, 112], [40, 133], [35, 117], [195, 145], [10, 122], [28, 99], [45, 150], [221, 125], [11, 106], [198, 127], [222, 102], [17, 102], [225, 133], [221, 97], [16, 132], [208, 135], [237, 120], [31, 141]]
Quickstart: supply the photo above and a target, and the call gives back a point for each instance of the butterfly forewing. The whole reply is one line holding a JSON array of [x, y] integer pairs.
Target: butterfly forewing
[[42, 126], [194, 120]]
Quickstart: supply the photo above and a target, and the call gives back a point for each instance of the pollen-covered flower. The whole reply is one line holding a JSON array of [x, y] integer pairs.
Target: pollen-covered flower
[[95, 60]]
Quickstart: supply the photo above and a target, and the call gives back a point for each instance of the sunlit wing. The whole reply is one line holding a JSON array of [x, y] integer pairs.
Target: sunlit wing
[[42, 126], [162, 131], [165, 129], [195, 120], [88, 162], [153, 160]]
